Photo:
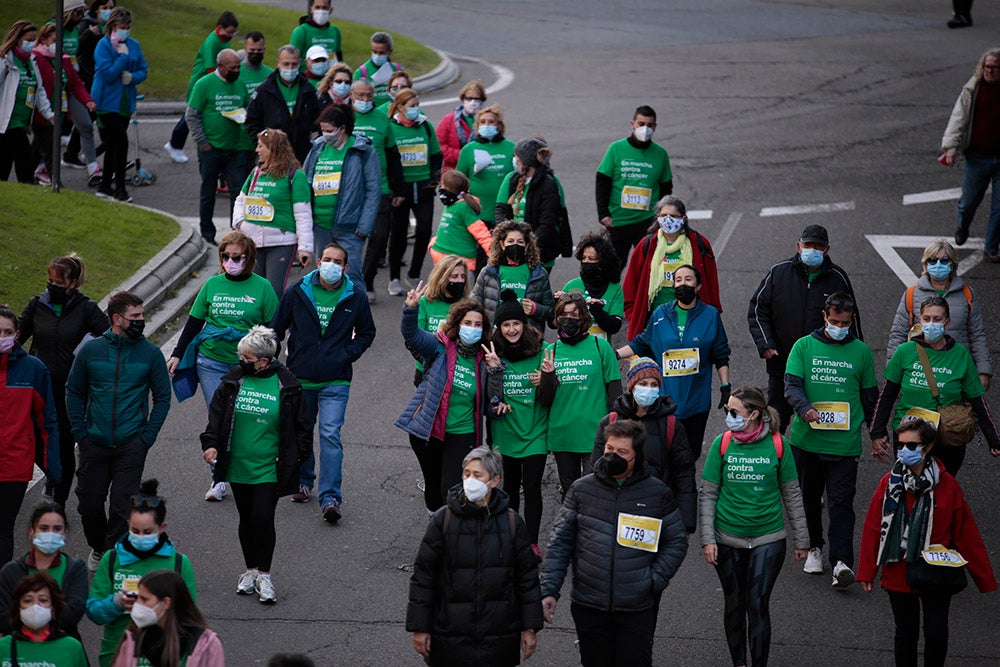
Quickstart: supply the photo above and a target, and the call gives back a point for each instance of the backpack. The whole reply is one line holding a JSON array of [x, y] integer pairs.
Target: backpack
[[114, 555], [779, 444], [671, 427], [912, 288]]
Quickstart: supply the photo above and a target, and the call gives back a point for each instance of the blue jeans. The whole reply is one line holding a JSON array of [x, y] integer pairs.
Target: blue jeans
[[354, 246], [980, 172], [329, 404], [210, 374], [212, 164]]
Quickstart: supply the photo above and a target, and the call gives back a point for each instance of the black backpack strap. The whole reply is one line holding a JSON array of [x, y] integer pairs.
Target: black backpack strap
[[111, 563], [178, 561], [13, 651]]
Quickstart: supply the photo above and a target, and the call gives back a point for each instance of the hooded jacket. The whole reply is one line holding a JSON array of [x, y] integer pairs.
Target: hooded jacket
[[360, 186], [54, 338], [267, 108], [109, 65], [29, 429], [475, 583]]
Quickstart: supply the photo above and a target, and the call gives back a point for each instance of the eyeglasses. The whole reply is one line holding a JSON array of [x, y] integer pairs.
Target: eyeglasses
[[226, 257], [396, 89], [574, 296], [939, 260], [145, 502]]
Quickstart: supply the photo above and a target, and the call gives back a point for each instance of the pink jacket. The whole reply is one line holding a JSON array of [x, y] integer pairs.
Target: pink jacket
[[207, 652], [451, 144]]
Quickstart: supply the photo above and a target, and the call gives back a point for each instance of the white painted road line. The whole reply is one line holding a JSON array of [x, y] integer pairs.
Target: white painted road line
[[727, 231], [700, 215], [504, 77], [931, 196], [772, 211], [885, 246]]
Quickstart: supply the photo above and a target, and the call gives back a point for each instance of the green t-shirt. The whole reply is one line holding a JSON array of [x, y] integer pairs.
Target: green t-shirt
[[416, 144], [522, 431], [749, 482], [954, 370], [833, 374], [430, 316], [290, 95], [57, 573], [486, 165], [239, 304], [671, 262], [515, 278], [376, 127], [104, 585], [613, 297], [24, 97], [205, 59], [326, 302], [635, 176], [57, 308], [306, 35], [504, 194], [326, 183], [453, 235], [379, 76], [216, 98], [462, 402], [682, 320], [583, 371], [256, 432], [269, 200], [62, 652], [251, 78], [71, 43]]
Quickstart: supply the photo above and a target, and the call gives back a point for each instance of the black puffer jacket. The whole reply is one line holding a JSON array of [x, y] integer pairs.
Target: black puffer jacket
[[606, 575], [786, 307], [267, 108], [671, 461], [295, 442], [473, 587], [54, 338]]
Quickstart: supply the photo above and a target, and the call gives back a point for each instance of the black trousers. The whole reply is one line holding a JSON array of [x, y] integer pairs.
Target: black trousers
[[962, 7], [694, 427], [377, 243], [526, 473], [838, 476], [441, 464], [747, 577], [625, 238], [67, 445], [906, 612], [256, 504], [42, 143], [776, 399], [118, 469], [614, 639], [114, 134], [15, 151], [419, 198], [571, 467], [11, 497]]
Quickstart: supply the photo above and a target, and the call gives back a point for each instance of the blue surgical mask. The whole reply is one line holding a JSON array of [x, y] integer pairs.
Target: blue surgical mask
[[932, 331], [331, 272], [412, 113], [517, 166], [837, 333], [104, 15], [811, 257], [487, 131], [27, 46], [470, 335], [669, 224], [645, 396], [363, 106], [122, 34], [938, 270], [735, 424], [143, 542], [909, 457], [49, 543], [378, 60], [341, 89], [289, 75], [319, 69]]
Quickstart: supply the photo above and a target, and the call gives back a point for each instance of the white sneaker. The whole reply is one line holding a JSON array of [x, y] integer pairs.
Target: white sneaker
[[843, 576], [265, 589], [247, 584], [814, 561], [371, 296], [175, 154], [395, 287], [94, 560], [217, 492]]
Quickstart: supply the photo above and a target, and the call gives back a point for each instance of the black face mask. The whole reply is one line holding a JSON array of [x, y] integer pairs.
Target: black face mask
[[255, 59], [248, 367], [614, 464], [515, 253], [456, 290], [231, 76], [569, 326], [590, 270], [135, 328], [57, 294], [447, 197], [685, 294]]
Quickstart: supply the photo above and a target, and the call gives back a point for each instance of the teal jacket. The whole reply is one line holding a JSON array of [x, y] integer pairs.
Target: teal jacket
[[107, 394]]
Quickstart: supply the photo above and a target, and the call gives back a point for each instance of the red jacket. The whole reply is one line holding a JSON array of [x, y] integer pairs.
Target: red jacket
[[636, 282], [954, 526], [448, 138], [28, 427], [74, 84]]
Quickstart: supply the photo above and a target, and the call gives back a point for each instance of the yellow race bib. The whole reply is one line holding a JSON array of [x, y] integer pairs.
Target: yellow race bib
[[669, 266], [930, 416], [684, 361], [636, 198], [938, 554], [833, 416], [130, 585], [257, 209], [236, 115], [326, 184], [29, 99], [639, 532], [414, 155]]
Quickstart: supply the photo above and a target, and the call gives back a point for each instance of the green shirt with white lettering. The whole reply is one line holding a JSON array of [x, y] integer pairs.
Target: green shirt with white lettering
[[515, 278], [62, 652], [522, 431], [290, 94], [252, 78], [24, 97], [486, 164], [462, 402], [954, 370], [253, 448], [205, 60], [306, 35], [453, 235], [431, 315], [269, 201], [416, 145], [376, 126], [636, 175], [240, 304], [583, 372], [326, 183], [214, 99]]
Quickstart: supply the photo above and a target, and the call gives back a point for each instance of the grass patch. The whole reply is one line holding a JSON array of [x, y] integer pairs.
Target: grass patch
[[171, 32], [113, 239]]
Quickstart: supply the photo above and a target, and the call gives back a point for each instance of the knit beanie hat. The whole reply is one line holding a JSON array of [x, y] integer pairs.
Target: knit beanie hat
[[641, 368], [527, 151], [510, 308]]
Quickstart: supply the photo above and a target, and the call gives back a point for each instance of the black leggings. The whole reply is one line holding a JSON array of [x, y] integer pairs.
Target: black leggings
[[747, 577], [256, 504], [526, 472], [419, 198], [694, 427], [114, 134], [15, 150], [906, 612], [67, 445], [11, 497], [441, 464], [571, 467]]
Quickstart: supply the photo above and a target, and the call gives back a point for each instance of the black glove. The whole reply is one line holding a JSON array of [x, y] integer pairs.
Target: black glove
[[725, 391]]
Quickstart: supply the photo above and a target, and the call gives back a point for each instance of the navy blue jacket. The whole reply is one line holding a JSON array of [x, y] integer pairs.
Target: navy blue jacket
[[324, 356]]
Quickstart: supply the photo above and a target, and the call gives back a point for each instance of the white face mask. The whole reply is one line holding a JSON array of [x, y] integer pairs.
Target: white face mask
[[474, 489], [36, 616], [644, 133], [470, 107], [321, 16], [144, 616]]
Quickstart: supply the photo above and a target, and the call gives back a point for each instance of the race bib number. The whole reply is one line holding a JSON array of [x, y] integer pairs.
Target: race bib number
[[236, 115], [65, 103], [938, 554], [257, 209], [930, 416], [685, 361], [327, 184], [414, 155], [833, 416], [29, 98], [597, 332], [639, 532], [669, 266], [130, 585], [636, 198]]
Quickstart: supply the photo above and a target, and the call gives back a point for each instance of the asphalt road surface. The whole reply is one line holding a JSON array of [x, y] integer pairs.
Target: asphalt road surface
[[776, 115]]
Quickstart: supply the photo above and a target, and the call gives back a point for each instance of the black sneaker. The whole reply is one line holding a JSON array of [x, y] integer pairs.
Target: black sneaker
[[209, 239], [331, 513], [121, 194], [958, 21], [105, 193], [961, 236], [72, 161]]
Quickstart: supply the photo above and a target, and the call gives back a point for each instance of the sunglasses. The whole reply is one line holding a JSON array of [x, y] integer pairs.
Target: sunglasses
[[939, 260], [144, 502], [846, 304], [226, 257], [913, 444], [341, 80], [732, 413]]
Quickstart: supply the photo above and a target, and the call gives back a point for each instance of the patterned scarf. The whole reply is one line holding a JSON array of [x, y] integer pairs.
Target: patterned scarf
[[898, 529], [664, 248]]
